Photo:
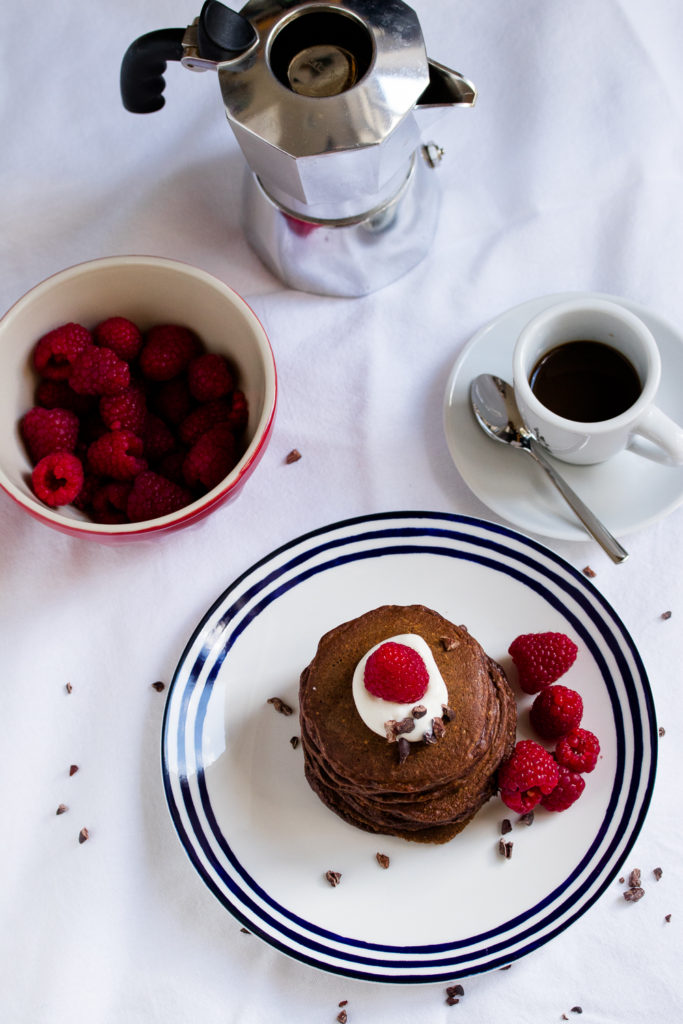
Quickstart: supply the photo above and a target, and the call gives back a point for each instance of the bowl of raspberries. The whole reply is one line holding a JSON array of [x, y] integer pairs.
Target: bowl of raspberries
[[147, 393]]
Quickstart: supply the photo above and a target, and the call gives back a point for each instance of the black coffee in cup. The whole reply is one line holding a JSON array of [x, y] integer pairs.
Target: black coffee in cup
[[585, 380]]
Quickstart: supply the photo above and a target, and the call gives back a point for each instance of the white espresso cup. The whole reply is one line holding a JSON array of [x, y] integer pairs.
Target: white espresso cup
[[580, 440]]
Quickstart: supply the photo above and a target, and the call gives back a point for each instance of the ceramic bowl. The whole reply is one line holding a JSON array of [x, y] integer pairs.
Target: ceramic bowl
[[147, 290]]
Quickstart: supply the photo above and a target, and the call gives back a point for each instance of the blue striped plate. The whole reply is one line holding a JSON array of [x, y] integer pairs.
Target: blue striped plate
[[262, 841]]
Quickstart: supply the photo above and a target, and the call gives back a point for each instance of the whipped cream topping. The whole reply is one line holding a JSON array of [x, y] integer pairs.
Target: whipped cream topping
[[375, 711]]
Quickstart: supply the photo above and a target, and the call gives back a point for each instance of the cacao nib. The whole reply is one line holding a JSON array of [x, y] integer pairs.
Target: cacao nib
[[403, 749], [333, 877], [279, 705]]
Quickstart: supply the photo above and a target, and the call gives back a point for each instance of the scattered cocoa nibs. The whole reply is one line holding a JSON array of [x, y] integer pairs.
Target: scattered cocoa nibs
[[245, 931], [83, 835], [505, 826], [342, 1017], [279, 705], [527, 819], [657, 872], [667, 918], [438, 728], [295, 742], [403, 749], [505, 848], [622, 880], [344, 1002], [68, 687], [564, 1017], [158, 686], [666, 615], [383, 860], [419, 711], [405, 725], [394, 729], [333, 877], [293, 456], [506, 968], [62, 809], [661, 731], [587, 571], [448, 713], [577, 1009], [634, 878], [452, 1000], [449, 643], [73, 768], [634, 894], [455, 990], [429, 738]]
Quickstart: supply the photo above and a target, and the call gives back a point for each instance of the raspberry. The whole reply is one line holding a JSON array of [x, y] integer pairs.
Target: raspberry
[[125, 411], [56, 394], [529, 774], [578, 750], [99, 371], [83, 500], [570, 786], [202, 419], [209, 376], [211, 458], [556, 711], [58, 478], [541, 658], [56, 352], [117, 454], [171, 466], [48, 430], [172, 400], [157, 438], [120, 335], [239, 412], [153, 495], [167, 351], [396, 672], [109, 502]]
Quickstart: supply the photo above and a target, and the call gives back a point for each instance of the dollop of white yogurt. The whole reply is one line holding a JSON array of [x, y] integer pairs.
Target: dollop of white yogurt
[[375, 711]]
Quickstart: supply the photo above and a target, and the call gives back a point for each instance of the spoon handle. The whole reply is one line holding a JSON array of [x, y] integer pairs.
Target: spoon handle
[[596, 529]]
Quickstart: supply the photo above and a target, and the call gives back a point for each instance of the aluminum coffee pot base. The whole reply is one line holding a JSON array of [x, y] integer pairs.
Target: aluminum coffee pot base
[[351, 257]]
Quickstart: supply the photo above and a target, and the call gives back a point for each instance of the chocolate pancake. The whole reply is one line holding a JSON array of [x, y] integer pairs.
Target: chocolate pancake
[[438, 788]]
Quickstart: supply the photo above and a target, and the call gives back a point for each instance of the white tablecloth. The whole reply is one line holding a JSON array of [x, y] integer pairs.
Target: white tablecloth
[[566, 175]]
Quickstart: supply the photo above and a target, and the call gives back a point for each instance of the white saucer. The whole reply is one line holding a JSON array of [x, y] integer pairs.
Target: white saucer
[[627, 493]]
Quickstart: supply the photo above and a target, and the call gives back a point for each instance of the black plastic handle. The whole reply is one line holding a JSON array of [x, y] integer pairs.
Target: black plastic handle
[[143, 66], [222, 34]]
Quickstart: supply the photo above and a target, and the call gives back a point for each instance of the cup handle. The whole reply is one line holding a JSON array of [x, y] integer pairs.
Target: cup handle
[[657, 427]]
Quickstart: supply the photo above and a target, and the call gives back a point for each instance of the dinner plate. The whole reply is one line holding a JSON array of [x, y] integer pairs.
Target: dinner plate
[[262, 841], [628, 492]]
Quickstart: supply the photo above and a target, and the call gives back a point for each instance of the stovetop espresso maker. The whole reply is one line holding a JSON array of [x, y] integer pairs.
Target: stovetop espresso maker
[[324, 99]]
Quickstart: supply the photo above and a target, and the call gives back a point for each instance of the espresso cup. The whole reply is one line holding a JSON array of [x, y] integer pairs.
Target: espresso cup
[[585, 373]]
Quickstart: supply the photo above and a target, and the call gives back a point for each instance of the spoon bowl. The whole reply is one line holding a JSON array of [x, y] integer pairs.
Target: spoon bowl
[[495, 410]]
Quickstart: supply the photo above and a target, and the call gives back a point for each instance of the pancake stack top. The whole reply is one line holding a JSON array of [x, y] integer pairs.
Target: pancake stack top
[[431, 794]]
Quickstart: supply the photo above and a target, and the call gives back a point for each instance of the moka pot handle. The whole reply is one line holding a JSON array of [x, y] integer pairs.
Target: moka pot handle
[[143, 66], [222, 34]]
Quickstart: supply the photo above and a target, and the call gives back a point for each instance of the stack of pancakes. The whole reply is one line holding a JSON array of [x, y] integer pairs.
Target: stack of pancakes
[[438, 788]]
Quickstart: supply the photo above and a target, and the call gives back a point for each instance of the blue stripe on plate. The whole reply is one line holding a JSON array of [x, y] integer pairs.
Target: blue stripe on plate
[[580, 591]]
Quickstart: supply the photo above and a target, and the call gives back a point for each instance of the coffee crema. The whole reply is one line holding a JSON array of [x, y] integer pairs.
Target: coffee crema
[[585, 380]]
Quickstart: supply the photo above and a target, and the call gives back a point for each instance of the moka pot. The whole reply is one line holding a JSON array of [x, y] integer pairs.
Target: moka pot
[[325, 100]]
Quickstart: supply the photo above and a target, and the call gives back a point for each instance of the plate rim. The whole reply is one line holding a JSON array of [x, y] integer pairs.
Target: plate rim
[[604, 873]]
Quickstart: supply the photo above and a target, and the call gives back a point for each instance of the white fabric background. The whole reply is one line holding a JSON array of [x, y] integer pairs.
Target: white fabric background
[[566, 175]]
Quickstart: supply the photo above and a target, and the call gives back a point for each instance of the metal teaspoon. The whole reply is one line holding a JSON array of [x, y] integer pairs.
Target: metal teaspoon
[[495, 409]]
